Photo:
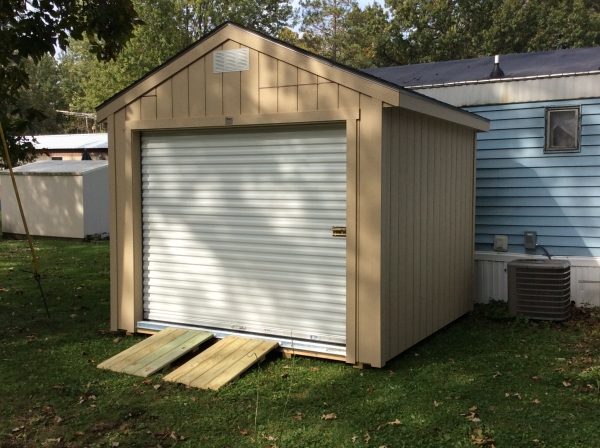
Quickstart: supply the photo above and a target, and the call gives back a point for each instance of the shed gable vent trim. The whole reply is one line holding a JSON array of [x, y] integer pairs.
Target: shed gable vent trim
[[231, 60]]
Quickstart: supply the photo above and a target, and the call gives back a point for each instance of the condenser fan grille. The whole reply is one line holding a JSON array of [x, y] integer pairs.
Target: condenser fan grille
[[540, 289]]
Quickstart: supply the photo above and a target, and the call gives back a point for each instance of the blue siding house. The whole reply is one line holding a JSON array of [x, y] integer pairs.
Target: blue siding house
[[538, 169]]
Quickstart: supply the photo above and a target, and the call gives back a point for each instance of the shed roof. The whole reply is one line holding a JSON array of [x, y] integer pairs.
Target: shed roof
[[361, 81], [71, 141], [59, 167], [543, 63]]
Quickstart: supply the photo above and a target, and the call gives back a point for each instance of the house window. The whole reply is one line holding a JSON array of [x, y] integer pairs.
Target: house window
[[56, 158], [562, 129]]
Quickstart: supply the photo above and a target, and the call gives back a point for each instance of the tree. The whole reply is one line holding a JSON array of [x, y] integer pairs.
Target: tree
[[437, 30], [323, 24], [365, 30], [45, 94], [169, 26], [31, 29]]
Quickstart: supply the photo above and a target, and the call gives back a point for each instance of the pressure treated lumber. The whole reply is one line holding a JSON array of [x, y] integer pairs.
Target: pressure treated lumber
[[221, 363], [156, 352]]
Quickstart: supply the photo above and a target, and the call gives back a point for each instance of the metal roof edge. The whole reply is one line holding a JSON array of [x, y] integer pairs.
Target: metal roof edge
[[499, 80]]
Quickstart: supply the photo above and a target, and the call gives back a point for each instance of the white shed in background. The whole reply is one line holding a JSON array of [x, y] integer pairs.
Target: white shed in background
[[67, 199]]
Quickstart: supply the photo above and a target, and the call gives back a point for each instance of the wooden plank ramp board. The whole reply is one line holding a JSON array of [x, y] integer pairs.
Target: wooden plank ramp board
[[156, 352], [222, 363]]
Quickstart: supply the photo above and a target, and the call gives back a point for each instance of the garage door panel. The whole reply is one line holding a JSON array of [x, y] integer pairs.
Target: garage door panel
[[259, 323], [234, 168], [320, 263], [296, 277], [228, 263], [333, 286], [219, 300], [237, 230], [292, 181]]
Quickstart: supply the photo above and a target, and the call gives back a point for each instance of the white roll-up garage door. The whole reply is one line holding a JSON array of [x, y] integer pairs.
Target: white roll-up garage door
[[238, 230]]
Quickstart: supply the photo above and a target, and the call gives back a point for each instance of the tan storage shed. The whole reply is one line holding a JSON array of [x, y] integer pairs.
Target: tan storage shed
[[65, 199], [231, 165]]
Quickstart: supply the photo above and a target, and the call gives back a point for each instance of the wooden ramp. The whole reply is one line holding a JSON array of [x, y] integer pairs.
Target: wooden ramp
[[221, 363], [156, 352]]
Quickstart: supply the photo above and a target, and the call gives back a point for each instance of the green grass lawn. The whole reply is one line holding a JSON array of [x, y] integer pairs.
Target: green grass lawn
[[482, 378]]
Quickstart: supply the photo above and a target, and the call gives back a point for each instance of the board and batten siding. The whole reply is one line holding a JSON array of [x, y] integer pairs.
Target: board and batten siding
[[520, 188], [269, 86], [427, 226]]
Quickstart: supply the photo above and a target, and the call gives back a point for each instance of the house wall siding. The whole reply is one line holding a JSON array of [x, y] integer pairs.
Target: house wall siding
[[520, 188]]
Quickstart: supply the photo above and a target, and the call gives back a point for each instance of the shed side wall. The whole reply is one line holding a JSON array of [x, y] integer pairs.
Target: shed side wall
[[427, 231], [53, 205], [95, 199]]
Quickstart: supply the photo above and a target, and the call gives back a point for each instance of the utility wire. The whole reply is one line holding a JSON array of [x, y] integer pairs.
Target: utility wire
[[37, 277]]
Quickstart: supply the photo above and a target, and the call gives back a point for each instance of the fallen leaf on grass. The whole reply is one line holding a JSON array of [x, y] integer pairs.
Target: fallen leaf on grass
[[536, 401], [57, 419], [436, 404], [371, 389], [315, 369], [284, 375], [328, 416], [535, 377], [367, 438], [244, 432], [298, 416], [515, 394], [164, 435], [58, 386], [147, 382], [114, 444], [57, 440], [566, 384], [269, 438], [479, 438], [157, 386], [383, 425], [473, 408], [471, 416], [116, 340], [353, 438], [587, 388], [18, 429]]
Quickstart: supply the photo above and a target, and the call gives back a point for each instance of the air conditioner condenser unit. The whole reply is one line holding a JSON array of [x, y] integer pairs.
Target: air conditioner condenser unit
[[540, 289]]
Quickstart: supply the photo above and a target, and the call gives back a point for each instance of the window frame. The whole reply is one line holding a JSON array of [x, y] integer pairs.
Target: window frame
[[552, 150]]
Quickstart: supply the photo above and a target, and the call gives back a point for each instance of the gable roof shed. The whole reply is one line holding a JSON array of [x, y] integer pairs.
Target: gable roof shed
[[261, 189]]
